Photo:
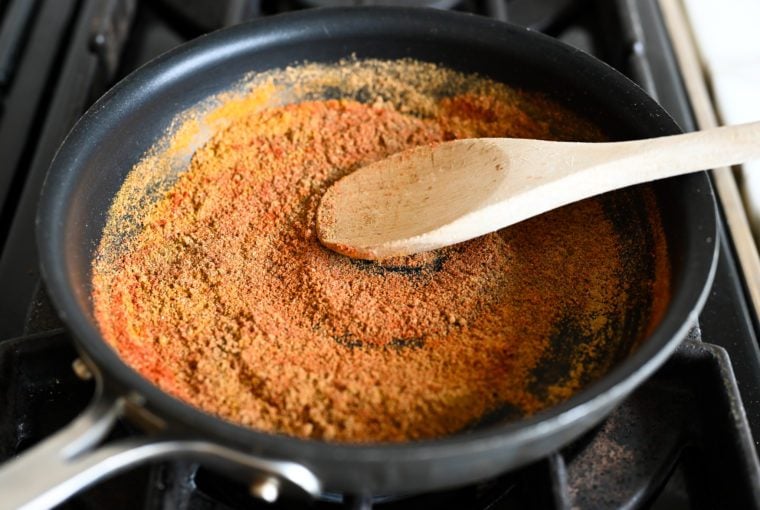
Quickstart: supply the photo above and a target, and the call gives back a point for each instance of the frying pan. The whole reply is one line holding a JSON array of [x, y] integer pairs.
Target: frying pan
[[115, 133]]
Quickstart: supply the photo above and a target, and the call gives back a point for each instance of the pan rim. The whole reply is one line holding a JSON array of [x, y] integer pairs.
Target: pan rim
[[682, 312]]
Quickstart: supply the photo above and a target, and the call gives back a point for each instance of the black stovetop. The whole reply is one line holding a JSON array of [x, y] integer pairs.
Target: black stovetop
[[682, 440]]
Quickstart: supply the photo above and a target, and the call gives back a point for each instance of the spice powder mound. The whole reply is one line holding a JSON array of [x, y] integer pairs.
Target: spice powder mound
[[226, 299]]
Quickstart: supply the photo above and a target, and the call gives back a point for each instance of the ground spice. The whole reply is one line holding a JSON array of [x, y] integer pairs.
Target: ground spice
[[224, 297]]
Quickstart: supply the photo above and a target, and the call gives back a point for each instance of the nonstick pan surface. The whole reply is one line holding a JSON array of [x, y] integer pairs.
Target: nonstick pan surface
[[117, 131]]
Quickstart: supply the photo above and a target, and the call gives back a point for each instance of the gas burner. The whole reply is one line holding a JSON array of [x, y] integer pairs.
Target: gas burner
[[437, 4]]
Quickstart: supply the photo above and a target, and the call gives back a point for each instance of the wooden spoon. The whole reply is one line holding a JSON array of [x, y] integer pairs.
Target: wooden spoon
[[434, 196]]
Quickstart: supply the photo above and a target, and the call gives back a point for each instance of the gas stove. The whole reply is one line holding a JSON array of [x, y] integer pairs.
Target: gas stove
[[683, 440]]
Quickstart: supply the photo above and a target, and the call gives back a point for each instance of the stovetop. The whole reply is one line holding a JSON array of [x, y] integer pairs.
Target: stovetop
[[682, 440]]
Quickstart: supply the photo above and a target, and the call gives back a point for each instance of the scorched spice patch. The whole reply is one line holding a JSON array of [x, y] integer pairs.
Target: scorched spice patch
[[211, 283]]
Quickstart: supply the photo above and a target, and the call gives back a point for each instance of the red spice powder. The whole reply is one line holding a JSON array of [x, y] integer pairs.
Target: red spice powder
[[227, 300]]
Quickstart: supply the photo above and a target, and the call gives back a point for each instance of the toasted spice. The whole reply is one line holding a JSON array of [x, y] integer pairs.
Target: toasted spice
[[222, 295]]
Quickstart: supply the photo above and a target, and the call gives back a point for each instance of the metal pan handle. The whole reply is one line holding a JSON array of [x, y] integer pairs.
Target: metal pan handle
[[74, 458]]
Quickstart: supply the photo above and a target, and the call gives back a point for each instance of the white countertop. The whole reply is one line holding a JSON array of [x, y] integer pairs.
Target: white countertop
[[727, 33]]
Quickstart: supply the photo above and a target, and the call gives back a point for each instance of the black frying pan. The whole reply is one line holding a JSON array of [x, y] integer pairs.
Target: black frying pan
[[95, 158]]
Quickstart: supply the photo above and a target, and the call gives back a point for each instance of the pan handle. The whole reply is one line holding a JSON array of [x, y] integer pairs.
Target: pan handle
[[74, 458]]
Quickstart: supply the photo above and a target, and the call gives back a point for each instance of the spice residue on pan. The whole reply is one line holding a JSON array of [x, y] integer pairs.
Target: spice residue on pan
[[222, 295]]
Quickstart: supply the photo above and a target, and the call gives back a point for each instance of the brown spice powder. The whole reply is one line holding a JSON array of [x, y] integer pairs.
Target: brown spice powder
[[226, 299]]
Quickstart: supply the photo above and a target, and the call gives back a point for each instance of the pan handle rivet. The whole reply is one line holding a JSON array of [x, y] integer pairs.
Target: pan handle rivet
[[266, 488], [81, 369]]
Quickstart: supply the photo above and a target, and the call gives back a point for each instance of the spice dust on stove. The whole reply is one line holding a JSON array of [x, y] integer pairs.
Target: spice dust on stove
[[221, 295]]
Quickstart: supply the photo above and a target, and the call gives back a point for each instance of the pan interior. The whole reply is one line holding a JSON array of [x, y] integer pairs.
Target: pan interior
[[585, 338]]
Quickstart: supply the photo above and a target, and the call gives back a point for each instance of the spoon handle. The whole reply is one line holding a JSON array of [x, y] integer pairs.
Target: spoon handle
[[641, 161]]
